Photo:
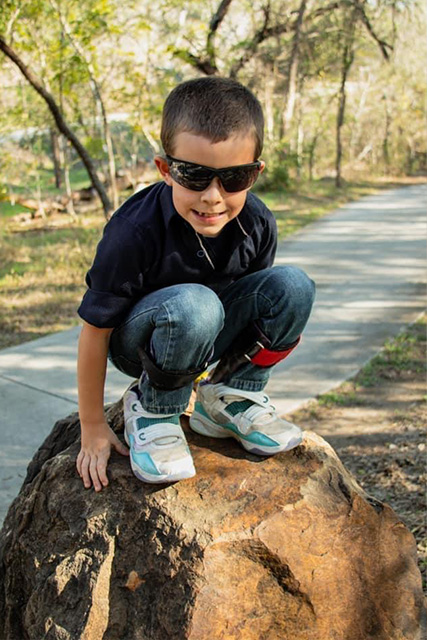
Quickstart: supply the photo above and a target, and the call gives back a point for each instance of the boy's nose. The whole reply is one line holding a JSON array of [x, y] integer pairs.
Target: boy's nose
[[213, 193]]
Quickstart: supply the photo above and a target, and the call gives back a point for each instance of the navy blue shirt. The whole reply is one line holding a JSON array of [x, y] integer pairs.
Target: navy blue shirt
[[147, 245]]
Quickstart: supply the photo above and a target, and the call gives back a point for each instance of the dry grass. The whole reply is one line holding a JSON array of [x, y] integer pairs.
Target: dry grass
[[43, 262], [42, 276]]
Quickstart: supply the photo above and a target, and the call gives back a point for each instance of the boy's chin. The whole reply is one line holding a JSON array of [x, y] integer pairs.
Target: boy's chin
[[208, 233], [209, 227]]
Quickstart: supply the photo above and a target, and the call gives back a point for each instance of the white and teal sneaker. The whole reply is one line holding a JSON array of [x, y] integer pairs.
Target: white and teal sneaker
[[223, 412], [158, 449]]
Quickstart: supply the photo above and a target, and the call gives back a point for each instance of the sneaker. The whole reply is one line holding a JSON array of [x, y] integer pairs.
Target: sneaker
[[222, 412], [158, 449]]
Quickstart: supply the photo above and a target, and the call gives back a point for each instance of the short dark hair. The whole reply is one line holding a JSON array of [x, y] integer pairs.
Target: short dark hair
[[212, 107]]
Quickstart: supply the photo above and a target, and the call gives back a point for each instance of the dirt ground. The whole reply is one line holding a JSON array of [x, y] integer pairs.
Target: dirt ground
[[377, 425]]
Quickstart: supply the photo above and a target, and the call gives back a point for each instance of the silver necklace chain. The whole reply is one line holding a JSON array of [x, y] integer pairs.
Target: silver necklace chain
[[205, 251]]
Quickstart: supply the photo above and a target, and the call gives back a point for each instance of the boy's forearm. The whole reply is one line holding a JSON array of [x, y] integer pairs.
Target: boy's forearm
[[91, 372]]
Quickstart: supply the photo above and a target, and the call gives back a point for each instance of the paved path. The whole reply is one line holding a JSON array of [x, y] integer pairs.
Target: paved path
[[369, 262]]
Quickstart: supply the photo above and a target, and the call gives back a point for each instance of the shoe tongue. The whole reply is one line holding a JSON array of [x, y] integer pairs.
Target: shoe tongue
[[142, 421], [238, 404]]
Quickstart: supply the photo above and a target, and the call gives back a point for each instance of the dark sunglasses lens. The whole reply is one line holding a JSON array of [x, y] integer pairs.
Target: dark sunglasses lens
[[239, 179], [198, 178], [190, 177]]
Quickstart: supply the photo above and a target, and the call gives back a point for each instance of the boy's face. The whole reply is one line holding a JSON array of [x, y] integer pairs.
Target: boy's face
[[210, 210]]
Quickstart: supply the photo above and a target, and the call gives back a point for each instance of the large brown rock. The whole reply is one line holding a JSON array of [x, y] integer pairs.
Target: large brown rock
[[288, 548]]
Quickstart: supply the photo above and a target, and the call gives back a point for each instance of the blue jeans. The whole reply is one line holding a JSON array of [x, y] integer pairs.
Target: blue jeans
[[186, 325]]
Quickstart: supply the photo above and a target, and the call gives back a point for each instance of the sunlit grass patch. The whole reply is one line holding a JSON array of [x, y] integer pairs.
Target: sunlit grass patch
[[344, 396], [406, 353]]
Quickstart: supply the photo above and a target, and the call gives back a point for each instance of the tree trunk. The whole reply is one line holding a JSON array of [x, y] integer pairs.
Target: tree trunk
[[56, 157], [300, 147], [312, 156], [358, 119], [40, 205], [292, 75], [269, 85], [61, 124], [98, 99], [68, 190], [347, 61], [386, 147]]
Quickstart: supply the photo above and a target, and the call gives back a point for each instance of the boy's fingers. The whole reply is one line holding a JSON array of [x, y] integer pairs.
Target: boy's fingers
[[85, 471], [120, 447], [102, 471], [94, 473], [79, 463]]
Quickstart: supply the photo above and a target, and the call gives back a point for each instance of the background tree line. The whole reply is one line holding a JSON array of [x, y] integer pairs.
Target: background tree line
[[342, 83]]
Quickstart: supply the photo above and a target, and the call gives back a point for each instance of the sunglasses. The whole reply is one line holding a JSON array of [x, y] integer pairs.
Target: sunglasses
[[198, 177]]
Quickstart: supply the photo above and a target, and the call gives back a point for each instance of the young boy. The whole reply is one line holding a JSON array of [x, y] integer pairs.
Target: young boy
[[183, 278]]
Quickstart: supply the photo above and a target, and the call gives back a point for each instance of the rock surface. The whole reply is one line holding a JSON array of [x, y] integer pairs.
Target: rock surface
[[283, 548]]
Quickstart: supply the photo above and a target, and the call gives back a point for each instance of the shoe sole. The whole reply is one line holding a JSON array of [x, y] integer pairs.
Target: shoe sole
[[182, 475], [205, 427]]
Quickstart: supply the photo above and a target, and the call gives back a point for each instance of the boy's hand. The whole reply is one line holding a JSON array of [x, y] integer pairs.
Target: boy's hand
[[97, 440]]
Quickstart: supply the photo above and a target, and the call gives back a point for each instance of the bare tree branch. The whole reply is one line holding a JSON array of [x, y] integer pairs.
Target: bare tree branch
[[219, 16], [381, 43], [262, 34], [202, 64], [216, 20], [327, 9], [60, 122], [207, 63]]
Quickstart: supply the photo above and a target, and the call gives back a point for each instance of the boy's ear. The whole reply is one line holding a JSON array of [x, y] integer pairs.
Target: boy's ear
[[262, 167], [162, 166]]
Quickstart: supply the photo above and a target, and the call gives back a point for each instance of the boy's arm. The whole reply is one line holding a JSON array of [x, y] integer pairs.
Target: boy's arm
[[96, 435]]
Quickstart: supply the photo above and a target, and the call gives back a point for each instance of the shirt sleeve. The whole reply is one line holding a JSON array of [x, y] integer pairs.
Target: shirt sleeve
[[116, 279]]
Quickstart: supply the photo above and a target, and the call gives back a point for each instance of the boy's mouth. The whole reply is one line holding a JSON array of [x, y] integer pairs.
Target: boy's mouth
[[203, 214]]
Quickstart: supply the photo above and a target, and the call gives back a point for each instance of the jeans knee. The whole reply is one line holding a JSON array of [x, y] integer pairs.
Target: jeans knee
[[296, 284], [295, 293], [197, 309]]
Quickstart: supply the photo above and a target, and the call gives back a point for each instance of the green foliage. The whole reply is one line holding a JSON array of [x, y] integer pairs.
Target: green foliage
[[139, 51], [276, 174], [7, 9], [95, 146], [343, 397]]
